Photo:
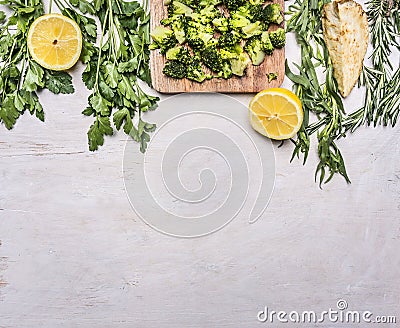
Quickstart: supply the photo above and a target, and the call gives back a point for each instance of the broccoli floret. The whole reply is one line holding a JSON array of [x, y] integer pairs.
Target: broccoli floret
[[180, 54], [178, 25], [164, 39], [256, 2], [254, 48], [206, 3], [238, 20], [266, 43], [199, 41], [206, 15], [244, 11], [215, 62], [175, 69], [226, 71], [239, 64], [195, 71], [272, 76], [226, 54], [212, 59], [256, 12], [252, 29], [229, 39], [221, 24], [199, 36], [233, 4], [178, 8], [272, 13], [190, 3], [278, 38]]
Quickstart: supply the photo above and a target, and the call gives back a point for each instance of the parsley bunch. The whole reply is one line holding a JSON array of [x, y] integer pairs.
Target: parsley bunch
[[114, 68], [20, 76]]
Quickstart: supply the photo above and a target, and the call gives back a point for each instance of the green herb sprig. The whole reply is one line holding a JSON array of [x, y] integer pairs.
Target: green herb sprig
[[21, 77], [318, 97], [114, 68], [382, 83], [382, 100]]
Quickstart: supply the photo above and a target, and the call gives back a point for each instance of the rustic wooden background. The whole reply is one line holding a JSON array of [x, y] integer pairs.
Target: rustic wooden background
[[74, 254]]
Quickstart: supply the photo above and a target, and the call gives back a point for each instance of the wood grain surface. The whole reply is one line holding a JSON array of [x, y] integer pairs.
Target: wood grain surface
[[254, 80], [73, 253]]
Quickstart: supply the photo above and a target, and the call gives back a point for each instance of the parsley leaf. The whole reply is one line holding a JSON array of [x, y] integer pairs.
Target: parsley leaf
[[59, 82], [97, 131]]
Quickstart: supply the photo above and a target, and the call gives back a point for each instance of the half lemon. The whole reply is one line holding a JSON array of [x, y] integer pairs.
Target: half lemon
[[276, 113]]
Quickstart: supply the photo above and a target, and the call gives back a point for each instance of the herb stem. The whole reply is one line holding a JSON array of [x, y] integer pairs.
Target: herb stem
[[96, 85]]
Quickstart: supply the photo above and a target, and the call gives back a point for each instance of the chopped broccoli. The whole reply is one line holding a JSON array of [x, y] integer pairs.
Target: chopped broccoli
[[175, 69], [164, 39], [272, 76], [233, 4], [221, 24], [254, 48], [278, 38], [238, 20], [190, 3], [195, 71], [205, 15], [226, 54], [256, 2], [197, 34], [266, 43], [178, 8], [272, 13], [212, 59], [178, 25], [256, 13], [180, 54], [226, 71], [229, 39], [239, 64], [251, 30], [244, 11], [206, 3]]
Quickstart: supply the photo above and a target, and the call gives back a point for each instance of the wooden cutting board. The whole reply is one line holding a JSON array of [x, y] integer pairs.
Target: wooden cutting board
[[255, 79]]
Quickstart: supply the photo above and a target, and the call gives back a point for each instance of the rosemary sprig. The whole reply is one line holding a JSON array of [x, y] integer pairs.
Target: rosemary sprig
[[382, 100]]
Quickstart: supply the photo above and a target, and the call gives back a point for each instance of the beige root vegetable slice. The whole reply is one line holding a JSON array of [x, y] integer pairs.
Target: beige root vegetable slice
[[345, 29]]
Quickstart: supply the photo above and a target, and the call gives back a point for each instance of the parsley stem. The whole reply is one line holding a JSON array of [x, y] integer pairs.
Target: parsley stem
[[100, 50]]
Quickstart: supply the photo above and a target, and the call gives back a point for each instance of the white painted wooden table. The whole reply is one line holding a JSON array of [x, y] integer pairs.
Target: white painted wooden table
[[74, 254]]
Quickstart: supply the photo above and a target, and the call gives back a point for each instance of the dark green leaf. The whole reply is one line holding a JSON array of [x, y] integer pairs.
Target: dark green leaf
[[59, 82]]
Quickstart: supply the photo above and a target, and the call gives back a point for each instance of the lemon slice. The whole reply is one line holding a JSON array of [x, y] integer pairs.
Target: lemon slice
[[55, 42], [276, 113]]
